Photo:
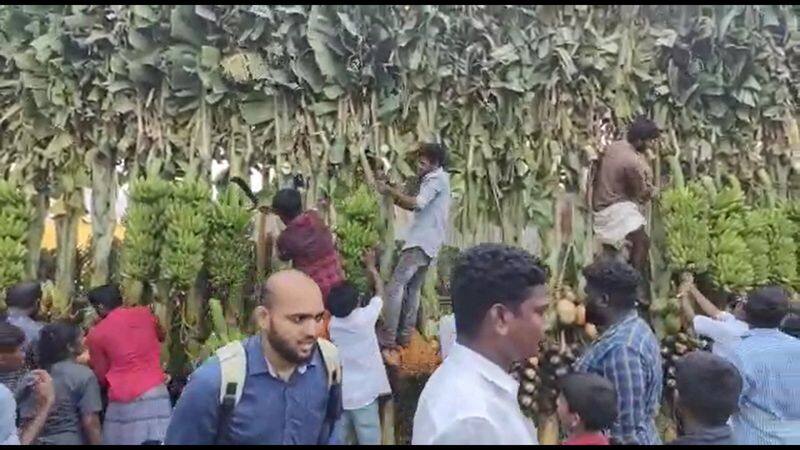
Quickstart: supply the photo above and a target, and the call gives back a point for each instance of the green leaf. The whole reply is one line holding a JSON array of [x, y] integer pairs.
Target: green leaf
[[257, 112]]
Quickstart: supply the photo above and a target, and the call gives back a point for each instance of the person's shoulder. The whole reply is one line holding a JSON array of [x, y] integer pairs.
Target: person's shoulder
[[207, 374], [76, 371]]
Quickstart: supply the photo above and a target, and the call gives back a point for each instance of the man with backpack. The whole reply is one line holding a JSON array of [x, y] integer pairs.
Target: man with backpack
[[281, 386]]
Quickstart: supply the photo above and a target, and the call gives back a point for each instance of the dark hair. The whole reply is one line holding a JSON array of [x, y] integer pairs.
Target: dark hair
[[433, 152], [11, 337], [708, 386], [766, 307], [592, 397], [491, 273], [342, 299], [24, 295], [55, 341], [617, 279], [107, 296], [642, 129], [791, 325], [287, 203]]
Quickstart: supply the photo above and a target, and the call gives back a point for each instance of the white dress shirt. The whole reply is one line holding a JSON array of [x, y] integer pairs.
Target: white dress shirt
[[725, 329], [447, 334], [471, 400], [363, 373]]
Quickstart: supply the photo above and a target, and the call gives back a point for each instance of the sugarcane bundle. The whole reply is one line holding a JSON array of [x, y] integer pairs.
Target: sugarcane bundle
[[144, 235], [230, 250], [358, 228], [15, 218]]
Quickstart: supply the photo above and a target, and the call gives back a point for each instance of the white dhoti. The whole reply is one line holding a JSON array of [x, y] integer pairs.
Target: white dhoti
[[614, 223]]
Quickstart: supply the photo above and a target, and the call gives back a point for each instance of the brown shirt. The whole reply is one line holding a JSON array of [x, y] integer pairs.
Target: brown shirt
[[623, 175]]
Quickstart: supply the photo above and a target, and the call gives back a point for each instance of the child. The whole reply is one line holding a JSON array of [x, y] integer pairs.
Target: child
[[707, 395], [352, 329], [587, 406], [74, 419]]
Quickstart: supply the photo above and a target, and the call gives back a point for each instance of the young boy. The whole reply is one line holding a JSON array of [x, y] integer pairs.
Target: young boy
[[352, 329], [587, 406], [707, 395]]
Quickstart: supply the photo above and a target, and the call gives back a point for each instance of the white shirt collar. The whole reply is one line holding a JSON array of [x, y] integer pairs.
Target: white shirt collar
[[487, 369]]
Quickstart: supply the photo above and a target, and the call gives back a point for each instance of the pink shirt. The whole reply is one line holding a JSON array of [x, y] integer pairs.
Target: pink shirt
[[124, 352]]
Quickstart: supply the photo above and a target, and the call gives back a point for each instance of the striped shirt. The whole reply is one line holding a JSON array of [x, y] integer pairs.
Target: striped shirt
[[769, 407], [627, 354]]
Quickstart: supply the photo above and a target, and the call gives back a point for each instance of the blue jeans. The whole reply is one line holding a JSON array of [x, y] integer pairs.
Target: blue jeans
[[361, 426], [402, 297]]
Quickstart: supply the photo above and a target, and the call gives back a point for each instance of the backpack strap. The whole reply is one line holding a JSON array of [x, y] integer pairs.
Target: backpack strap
[[330, 356], [233, 369]]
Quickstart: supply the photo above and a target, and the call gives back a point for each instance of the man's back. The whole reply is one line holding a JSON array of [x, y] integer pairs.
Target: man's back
[[428, 231], [470, 400], [769, 362], [308, 243], [622, 176], [628, 355]]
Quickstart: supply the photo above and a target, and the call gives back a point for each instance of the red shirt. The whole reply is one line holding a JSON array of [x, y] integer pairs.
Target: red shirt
[[124, 352], [587, 439], [308, 243]]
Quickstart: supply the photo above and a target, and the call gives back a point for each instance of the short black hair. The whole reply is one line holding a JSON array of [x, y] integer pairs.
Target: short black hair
[[642, 129], [488, 274], [708, 386], [55, 341], [766, 307], [108, 296], [11, 337], [287, 203], [791, 325], [592, 397], [25, 295], [433, 152], [617, 279], [342, 299]]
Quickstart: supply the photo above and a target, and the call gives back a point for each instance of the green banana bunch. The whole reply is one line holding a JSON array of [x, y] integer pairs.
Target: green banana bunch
[[688, 240], [187, 225], [230, 251], [781, 232], [144, 226], [755, 236], [15, 220], [358, 229]]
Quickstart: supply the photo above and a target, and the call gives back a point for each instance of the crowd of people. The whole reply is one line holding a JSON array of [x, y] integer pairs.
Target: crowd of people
[[316, 369]]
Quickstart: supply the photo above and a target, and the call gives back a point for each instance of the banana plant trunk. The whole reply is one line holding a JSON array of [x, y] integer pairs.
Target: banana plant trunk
[[104, 194], [35, 233], [67, 241]]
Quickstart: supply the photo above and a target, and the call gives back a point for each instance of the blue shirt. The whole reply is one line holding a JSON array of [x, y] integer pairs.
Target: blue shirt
[[30, 327], [270, 411], [769, 407], [429, 228], [628, 355]]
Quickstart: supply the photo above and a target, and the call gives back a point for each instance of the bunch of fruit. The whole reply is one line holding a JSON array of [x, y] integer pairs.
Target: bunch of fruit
[[539, 377], [672, 348], [144, 226], [229, 250], [571, 312], [185, 235], [358, 228], [54, 304], [730, 257], [15, 219], [688, 240], [668, 311]]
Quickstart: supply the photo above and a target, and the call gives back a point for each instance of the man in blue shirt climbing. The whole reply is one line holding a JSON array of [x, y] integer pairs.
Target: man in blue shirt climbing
[[288, 392]]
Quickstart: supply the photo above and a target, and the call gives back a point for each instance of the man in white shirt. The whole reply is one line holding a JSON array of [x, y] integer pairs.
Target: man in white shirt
[[447, 334], [724, 328], [364, 379], [499, 296]]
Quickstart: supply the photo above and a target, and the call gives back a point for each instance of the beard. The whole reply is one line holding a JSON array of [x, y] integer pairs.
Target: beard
[[284, 348]]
